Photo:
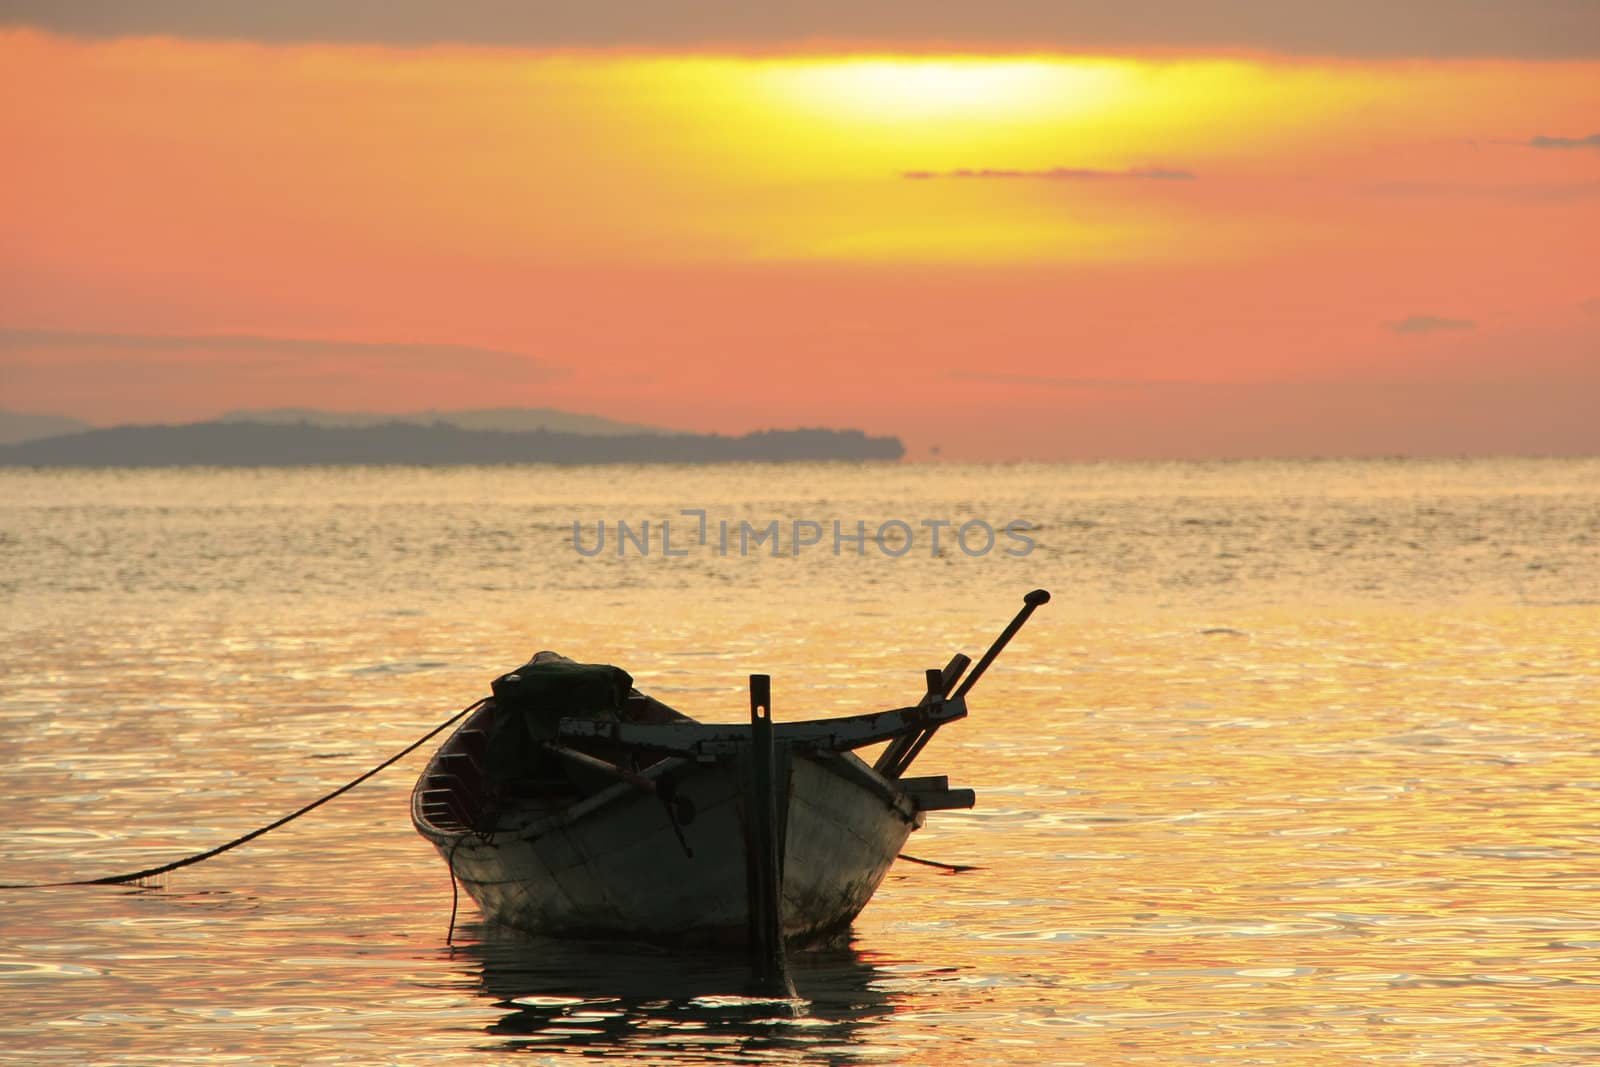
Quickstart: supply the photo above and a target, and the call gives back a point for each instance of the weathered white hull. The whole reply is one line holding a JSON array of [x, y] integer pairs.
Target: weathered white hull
[[612, 864]]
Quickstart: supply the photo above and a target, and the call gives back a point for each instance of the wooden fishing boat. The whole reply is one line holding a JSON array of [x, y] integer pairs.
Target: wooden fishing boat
[[642, 823]]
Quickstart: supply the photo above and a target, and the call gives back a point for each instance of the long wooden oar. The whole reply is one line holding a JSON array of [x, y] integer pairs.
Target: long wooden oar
[[902, 757], [1029, 602]]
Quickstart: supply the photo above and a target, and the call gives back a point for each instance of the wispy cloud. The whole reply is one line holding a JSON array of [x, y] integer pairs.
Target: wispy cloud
[[1050, 381], [1200, 387], [257, 348], [1524, 192], [1591, 141], [1057, 174], [110, 377], [1429, 324]]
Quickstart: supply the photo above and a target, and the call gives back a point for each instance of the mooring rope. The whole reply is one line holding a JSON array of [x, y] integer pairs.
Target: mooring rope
[[954, 867], [455, 890], [151, 872]]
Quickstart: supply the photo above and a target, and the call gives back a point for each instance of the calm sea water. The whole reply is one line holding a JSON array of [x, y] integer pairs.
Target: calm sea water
[[1301, 765]]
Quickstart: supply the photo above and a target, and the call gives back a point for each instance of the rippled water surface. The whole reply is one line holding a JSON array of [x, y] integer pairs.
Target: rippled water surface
[[1301, 765]]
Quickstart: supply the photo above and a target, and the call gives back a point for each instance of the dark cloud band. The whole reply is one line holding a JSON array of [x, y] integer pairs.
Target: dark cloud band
[[1534, 29]]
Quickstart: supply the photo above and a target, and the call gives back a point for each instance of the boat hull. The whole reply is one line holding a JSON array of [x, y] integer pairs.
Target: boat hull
[[614, 864]]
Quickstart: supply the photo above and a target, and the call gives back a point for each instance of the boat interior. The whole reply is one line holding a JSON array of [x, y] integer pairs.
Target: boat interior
[[457, 794]]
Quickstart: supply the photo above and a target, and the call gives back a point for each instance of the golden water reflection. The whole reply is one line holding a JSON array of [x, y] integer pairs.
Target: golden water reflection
[[634, 1001], [1268, 821]]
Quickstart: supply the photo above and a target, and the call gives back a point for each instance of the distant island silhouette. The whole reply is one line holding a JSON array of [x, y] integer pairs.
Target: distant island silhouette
[[514, 419], [263, 444]]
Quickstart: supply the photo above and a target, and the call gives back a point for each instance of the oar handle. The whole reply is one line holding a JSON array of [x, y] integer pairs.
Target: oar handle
[[1029, 602]]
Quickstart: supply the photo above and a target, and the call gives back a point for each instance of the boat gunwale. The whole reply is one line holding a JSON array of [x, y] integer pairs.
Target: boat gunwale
[[841, 763]]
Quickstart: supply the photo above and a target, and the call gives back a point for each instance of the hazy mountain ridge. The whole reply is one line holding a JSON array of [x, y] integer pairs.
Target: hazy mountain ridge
[[16, 426], [258, 444]]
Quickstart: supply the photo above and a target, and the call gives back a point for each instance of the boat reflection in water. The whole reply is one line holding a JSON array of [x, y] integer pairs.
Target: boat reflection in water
[[606, 998]]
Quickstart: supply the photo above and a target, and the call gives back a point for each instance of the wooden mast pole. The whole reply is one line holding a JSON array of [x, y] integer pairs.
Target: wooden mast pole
[[769, 967]]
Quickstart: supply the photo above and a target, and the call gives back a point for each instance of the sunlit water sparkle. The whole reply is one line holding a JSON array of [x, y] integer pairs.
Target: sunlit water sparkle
[[1301, 765]]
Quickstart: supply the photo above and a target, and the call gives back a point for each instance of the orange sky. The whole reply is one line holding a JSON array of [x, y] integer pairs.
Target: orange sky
[[1046, 256]]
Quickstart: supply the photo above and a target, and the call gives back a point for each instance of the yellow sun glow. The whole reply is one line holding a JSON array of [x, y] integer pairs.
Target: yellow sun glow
[[901, 90]]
